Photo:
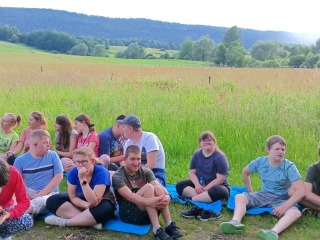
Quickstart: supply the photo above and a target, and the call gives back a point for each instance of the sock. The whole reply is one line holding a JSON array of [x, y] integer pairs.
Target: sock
[[168, 223], [155, 229]]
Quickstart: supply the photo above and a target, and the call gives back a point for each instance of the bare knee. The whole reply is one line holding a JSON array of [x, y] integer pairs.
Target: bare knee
[[241, 199], [147, 190], [158, 191]]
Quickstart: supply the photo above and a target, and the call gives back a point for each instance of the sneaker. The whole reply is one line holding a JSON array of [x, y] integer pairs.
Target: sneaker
[[232, 227], [98, 226], [267, 234], [193, 212], [173, 231], [55, 220], [161, 235], [207, 215]]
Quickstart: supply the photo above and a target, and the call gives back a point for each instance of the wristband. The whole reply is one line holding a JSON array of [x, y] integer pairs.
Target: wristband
[[55, 150], [9, 154]]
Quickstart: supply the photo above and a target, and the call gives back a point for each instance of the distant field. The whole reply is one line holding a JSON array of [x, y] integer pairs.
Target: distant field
[[175, 100]]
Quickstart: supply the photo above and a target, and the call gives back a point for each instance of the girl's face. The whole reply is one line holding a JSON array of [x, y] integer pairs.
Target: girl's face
[[6, 122], [80, 126], [57, 127], [33, 123], [207, 144]]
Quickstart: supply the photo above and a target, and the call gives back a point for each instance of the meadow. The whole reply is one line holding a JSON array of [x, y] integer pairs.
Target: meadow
[[175, 100]]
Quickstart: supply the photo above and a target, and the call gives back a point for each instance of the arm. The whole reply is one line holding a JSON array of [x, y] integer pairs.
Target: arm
[[116, 159], [310, 196], [194, 178], [166, 194], [137, 199], [54, 182], [246, 178], [72, 146], [74, 199], [151, 159], [298, 194], [220, 178], [16, 148]]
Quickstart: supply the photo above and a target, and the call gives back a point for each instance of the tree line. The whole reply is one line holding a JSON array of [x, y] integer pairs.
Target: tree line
[[230, 52]]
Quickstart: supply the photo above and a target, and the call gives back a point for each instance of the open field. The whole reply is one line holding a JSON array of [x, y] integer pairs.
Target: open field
[[174, 100]]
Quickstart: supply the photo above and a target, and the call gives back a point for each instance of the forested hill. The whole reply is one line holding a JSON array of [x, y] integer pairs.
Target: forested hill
[[30, 19]]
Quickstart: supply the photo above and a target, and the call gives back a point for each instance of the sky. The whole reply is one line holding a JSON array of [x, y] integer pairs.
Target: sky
[[278, 15]]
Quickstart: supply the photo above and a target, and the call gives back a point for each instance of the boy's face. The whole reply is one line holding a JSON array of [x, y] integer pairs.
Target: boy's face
[[277, 151], [42, 145], [133, 162]]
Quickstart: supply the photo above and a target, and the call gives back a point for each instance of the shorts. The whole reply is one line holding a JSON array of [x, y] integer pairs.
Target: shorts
[[130, 213]]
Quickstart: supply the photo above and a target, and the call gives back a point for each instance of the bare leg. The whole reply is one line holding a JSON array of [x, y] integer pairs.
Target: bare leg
[[241, 207], [289, 217], [85, 218], [189, 192], [202, 197], [311, 200], [67, 211]]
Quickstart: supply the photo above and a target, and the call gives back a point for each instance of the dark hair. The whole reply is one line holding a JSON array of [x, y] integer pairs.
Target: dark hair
[[132, 149], [66, 127], [275, 139], [4, 172], [15, 118], [39, 117], [121, 117], [86, 119]]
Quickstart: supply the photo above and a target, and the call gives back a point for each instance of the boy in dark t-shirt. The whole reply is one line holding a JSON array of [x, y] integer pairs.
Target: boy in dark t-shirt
[[141, 197]]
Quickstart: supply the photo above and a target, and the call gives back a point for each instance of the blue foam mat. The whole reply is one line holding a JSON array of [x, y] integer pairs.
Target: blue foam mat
[[215, 206]]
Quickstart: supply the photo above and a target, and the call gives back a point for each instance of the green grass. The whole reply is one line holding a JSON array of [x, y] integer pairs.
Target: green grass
[[242, 107]]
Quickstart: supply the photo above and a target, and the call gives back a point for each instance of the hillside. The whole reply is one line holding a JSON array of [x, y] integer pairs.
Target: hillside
[[30, 19]]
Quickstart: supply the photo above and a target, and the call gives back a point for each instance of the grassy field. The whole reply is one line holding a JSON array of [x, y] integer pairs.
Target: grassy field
[[175, 100]]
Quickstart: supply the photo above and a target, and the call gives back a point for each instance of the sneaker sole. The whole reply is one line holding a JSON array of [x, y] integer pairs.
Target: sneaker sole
[[208, 219], [188, 216], [264, 236], [232, 229]]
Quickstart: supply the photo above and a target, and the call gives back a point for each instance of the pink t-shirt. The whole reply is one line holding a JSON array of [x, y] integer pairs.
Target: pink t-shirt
[[25, 138], [84, 142]]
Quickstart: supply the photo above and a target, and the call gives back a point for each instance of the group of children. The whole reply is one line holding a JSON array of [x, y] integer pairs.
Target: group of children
[[125, 165]]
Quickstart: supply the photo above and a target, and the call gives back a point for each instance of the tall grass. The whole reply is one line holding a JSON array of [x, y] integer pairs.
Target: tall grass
[[243, 107]]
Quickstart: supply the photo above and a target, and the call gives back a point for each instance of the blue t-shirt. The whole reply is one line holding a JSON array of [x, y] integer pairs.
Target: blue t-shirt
[[275, 179], [38, 172], [208, 167], [100, 176], [149, 142], [109, 144]]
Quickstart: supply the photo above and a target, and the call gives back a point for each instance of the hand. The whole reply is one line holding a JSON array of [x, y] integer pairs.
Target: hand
[[5, 215], [82, 172], [199, 189], [279, 211], [69, 167]]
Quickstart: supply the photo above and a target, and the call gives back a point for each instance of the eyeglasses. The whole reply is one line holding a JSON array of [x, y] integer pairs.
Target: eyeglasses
[[206, 140], [83, 162]]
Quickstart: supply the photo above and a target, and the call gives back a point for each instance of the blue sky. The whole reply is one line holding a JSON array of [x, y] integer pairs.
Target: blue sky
[[278, 15]]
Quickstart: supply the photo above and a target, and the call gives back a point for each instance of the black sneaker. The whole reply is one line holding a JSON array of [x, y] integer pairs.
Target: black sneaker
[[194, 212], [173, 231], [161, 235], [207, 215]]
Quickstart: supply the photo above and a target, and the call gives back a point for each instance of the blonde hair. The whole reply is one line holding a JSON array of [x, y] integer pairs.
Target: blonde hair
[[39, 134], [85, 151], [209, 135], [15, 118], [40, 118]]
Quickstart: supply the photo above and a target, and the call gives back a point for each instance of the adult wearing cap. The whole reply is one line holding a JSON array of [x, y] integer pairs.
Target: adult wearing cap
[[152, 152]]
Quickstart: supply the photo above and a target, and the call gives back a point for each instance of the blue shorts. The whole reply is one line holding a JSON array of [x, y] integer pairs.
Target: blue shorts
[[160, 175]]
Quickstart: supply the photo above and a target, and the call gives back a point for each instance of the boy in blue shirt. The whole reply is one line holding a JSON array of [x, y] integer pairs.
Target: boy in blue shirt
[[277, 175]]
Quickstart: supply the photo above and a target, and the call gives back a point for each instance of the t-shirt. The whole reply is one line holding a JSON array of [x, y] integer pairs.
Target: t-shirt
[[109, 144], [134, 183], [100, 176], [25, 138], [73, 134], [313, 177], [16, 187], [149, 142], [208, 167], [38, 172], [275, 179], [6, 140], [84, 142]]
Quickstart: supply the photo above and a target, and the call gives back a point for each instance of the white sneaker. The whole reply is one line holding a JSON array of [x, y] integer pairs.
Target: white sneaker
[[98, 226], [55, 220]]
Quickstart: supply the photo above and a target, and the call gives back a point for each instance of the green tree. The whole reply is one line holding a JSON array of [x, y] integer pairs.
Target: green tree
[[99, 50], [186, 50], [134, 51], [9, 33], [232, 35], [235, 56], [80, 49], [296, 61], [265, 50], [220, 55], [202, 49]]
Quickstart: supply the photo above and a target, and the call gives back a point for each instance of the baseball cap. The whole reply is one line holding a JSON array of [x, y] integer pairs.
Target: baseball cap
[[131, 120]]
